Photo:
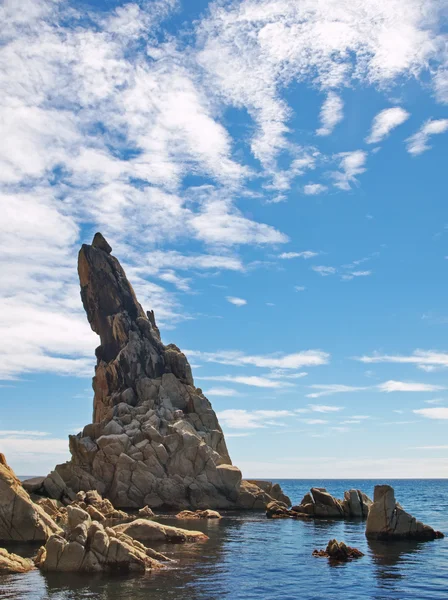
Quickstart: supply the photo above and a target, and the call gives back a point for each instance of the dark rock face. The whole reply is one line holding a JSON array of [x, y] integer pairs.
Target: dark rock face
[[387, 520], [155, 439], [338, 552]]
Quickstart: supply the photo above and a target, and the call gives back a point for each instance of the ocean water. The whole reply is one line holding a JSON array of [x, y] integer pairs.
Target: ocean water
[[249, 556]]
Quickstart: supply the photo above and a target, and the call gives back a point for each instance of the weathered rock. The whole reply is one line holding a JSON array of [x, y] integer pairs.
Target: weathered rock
[[198, 514], [155, 439], [338, 551], [145, 513], [54, 509], [90, 547], [150, 531], [20, 518], [318, 503], [387, 520], [12, 563], [33, 485]]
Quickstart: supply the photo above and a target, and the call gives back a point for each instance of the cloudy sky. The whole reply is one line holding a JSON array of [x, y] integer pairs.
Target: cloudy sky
[[272, 176]]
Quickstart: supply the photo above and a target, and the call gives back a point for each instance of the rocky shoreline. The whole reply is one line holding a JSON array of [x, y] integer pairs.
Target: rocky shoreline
[[154, 444]]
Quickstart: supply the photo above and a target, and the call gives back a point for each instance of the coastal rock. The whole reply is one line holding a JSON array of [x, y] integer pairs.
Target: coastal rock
[[198, 514], [387, 520], [338, 551], [150, 531], [90, 547], [12, 563], [20, 518], [145, 513], [54, 509], [318, 503], [155, 439]]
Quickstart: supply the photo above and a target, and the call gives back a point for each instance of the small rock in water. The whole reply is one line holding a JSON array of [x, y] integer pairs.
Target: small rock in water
[[12, 563], [338, 551], [198, 514]]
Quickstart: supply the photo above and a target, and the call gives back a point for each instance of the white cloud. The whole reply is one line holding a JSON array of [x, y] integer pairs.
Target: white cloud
[[435, 401], [299, 288], [324, 271], [419, 142], [315, 421], [331, 113], [324, 408], [330, 389], [252, 380], [351, 164], [283, 374], [424, 359], [297, 360], [21, 432], [221, 391], [353, 274], [385, 121], [404, 386], [236, 301], [439, 413], [429, 448], [244, 419], [306, 254], [312, 189]]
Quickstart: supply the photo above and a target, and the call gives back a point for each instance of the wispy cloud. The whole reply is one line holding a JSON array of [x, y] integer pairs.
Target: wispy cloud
[[351, 164], [331, 114], [236, 301], [385, 121], [439, 413], [245, 419], [419, 142], [323, 270], [297, 360], [221, 391], [330, 389], [306, 254], [252, 380], [313, 189], [324, 408], [386, 387], [422, 358]]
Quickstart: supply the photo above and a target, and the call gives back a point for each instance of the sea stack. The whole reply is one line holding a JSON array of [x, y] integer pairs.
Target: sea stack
[[155, 439]]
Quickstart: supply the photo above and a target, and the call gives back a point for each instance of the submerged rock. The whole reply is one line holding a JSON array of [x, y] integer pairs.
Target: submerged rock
[[21, 519], [150, 531], [387, 520], [90, 547], [338, 551], [12, 563], [319, 503], [198, 514], [155, 440]]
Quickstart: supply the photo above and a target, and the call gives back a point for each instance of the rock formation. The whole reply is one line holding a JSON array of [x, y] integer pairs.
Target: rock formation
[[155, 439], [338, 551], [20, 519], [319, 503], [12, 563], [387, 520], [90, 547], [187, 515], [150, 531]]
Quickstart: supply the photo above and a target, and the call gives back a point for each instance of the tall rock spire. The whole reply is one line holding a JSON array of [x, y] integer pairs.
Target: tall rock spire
[[155, 438]]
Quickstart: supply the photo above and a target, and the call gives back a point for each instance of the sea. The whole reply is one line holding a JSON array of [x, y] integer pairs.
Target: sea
[[249, 556]]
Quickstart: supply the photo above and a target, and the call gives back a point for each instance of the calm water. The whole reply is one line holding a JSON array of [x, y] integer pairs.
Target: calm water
[[249, 556]]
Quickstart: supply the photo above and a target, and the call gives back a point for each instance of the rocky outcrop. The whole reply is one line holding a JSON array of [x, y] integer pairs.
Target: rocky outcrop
[[387, 520], [186, 515], [150, 531], [155, 439], [20, 518], [12, 563], [90, 547], [318, 503], [338, 551]]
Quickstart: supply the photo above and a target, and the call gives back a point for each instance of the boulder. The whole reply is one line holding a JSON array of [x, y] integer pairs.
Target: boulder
[[318, 503], [387, 520], [150, 531], [145, 513], [338, 551], [198, 514], [12, 563], [89, 547], [155, 439], [20, 518]]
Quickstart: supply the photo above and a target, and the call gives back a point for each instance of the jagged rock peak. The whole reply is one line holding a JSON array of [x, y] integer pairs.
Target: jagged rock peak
[[99, 241], [155, 439]]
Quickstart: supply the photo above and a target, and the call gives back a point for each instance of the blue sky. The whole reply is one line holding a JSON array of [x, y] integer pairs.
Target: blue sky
[[272, 176]]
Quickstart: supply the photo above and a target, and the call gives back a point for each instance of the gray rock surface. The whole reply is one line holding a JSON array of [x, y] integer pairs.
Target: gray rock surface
[[387, 520], [155, 440], [21, 519], [319, 503]]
